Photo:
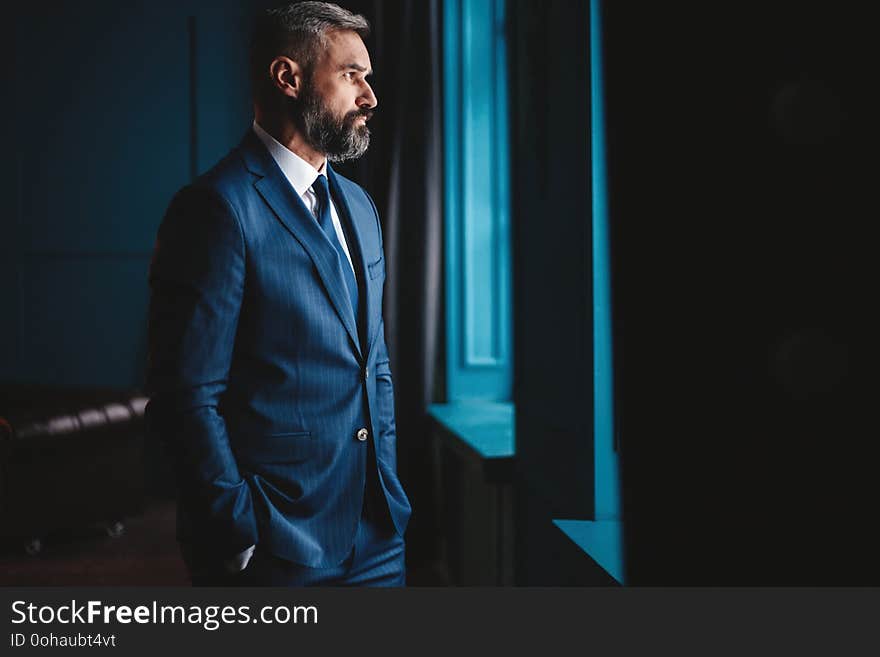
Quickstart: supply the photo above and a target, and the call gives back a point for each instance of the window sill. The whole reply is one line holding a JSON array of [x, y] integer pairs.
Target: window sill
[[484, 433], [600, 539], [479, 431]]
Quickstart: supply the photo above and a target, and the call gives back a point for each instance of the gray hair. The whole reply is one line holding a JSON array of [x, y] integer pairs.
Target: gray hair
[[298, 31]]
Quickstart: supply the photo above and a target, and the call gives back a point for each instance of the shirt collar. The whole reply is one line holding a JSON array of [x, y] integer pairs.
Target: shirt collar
[[300, 174]]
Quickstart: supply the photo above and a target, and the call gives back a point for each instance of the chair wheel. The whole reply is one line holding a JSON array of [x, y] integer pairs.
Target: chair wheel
[[115, 529], [33, 547]]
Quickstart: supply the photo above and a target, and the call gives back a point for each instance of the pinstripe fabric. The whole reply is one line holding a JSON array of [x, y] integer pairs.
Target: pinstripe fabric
[[260, 375], [377, 559]]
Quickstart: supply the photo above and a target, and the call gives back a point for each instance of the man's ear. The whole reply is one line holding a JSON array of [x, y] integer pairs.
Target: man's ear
[[286, 75]]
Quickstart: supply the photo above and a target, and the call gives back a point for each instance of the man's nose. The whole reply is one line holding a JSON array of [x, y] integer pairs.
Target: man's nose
[[368, 98]]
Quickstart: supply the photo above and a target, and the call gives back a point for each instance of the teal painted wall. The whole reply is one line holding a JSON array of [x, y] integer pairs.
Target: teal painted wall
[[99, 132]]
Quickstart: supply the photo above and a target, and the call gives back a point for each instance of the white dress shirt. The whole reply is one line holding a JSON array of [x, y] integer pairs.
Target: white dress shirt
[[301, 175]]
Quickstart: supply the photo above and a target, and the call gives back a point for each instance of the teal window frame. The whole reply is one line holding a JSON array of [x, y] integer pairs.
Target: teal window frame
[[605, 462], [477, 225], [601, 537], [479, 361], [477, 207]]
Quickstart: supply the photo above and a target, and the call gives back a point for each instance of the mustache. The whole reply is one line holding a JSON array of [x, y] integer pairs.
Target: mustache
[[363, 111]]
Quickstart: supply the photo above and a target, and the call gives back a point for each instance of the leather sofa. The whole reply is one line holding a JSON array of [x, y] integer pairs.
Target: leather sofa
[[69, 457]]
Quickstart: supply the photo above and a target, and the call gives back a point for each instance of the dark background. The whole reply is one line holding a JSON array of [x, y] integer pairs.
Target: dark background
[[741, 150]]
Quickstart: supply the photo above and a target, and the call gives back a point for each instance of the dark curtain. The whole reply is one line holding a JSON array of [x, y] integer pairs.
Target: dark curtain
[[403, 171]]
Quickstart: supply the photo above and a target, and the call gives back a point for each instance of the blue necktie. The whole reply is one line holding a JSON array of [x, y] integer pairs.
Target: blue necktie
[[322, 191]]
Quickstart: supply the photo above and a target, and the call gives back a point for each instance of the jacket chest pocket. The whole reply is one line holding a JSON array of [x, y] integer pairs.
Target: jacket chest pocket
[[377, 269]]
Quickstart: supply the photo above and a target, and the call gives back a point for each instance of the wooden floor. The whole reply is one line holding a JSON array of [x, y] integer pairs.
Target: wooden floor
[[144, 555]]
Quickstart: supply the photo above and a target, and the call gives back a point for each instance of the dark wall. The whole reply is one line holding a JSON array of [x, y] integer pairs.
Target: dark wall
[[740, 143], [740, 140], [552, 244], [551, 206]]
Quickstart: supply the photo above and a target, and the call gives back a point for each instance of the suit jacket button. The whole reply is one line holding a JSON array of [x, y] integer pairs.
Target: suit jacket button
[[362, 434], [366, 373]]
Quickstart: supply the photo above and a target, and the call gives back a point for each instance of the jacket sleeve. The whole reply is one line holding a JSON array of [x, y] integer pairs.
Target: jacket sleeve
[[197, 285]]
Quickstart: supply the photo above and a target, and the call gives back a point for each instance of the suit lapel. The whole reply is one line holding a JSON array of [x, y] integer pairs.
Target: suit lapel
[[368, 294], [299, 221]]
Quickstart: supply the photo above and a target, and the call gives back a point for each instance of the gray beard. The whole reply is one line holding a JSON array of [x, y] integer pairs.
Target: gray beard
[[339, 139]]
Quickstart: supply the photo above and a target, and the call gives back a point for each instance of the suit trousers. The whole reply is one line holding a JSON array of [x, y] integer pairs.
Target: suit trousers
[[377, 559]]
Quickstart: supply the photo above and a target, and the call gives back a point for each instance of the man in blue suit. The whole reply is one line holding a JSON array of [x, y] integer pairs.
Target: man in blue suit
[[268, 373]]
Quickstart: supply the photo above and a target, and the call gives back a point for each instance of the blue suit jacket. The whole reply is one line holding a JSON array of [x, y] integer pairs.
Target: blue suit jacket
[[259, 374]]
